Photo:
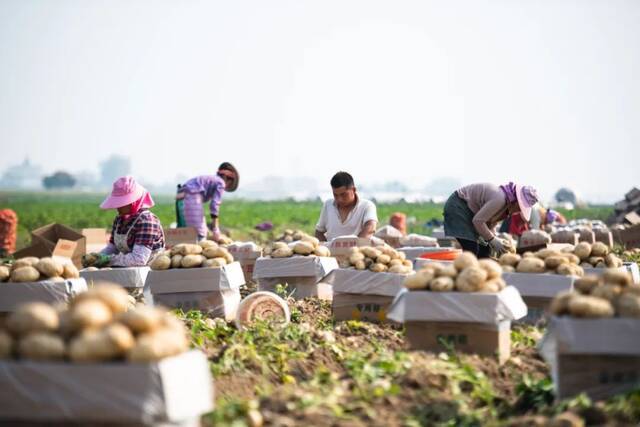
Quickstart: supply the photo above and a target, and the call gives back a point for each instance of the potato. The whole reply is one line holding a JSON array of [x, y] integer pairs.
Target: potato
[[530, 265], [213, 252], [204, 244], [378, 267], [567, 270], [618, 277], [192, 261], [29, 261], [607, 291], [310, 239], [589, 306], [545, 253], [586, 284], [401, 256], [114, 296], [69, 271], [6, 345], [599, 249], [471, 279], [214, 263], [493, 269], [560, 303], [493, 285], [396, 261], [177, 249], [464, 260], [355, 257], [282, 253], [303, 248], [41, 346], [142, 319], [5, 273], [595, 260], [447, 271], [399, 269], [627, 305], [322, 251], [583, 250], [442, 284], [353, 250], [568, 249], [95, 346], [554, 261], [613, 261], [407, 263], [573, 259], [158, 345], [191, 249], [370, 252], [49, 267], [420, 280], [383, 259], [161, 262], [360, 265], [24, 275], [90, 313], [176, 261], [528, 254], [368, 261], [509, 259], [33, 317]]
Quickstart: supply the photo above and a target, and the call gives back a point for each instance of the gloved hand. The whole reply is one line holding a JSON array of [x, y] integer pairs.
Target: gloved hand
[[498, 246], [96, 260]]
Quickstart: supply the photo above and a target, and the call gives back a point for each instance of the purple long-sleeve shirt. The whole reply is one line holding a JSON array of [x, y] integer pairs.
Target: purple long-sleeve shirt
[[210, 186]]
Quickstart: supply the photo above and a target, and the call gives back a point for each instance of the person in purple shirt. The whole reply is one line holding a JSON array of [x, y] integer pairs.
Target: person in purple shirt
[[207, 188]]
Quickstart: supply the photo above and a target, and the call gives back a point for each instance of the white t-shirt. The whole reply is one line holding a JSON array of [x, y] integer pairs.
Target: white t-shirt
[[330, 223]]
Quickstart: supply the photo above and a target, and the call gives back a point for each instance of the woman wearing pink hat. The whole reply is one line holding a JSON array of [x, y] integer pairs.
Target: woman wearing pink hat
[[207, 188], [136, 234], [472, 212]]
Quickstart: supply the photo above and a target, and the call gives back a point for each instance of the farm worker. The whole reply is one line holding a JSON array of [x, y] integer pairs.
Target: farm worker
[[136, 234], [347, 214], [471, 213], [550, 217], [208, 188]]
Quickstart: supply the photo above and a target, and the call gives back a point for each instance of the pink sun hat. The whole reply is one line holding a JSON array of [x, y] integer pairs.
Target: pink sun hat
[[125, 191], [527, 197]]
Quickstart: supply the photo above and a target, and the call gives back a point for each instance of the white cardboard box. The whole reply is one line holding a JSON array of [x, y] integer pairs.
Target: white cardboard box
[[13, 295], [127, 277], [301, 274], [630, 267], [350, 281], [173, 390], [539, 284]]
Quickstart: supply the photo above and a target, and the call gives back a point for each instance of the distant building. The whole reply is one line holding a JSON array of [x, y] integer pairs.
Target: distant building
[[25, 176]]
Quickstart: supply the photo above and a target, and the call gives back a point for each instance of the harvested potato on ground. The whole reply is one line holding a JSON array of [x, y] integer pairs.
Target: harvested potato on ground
[[464, 260], [509, 259], [176, 261], [378, 267], [41, 346], [322, 251], [192, 261], [621, 278], [69, 271], [494, 285], [49, 267], [492, 268], [114, 296], [560, 304], [33, 317], [5, 273], [420, 280], [471, 279], [161, 262], [282, 253], [90, 314], [627, 305], [583, 250], [158, 345], [303, 248], [95, 346], [599, 249], [142, 319], [442, 284], [589, 307], [586, 284], [24, 275], [530, 265], [6, 345]]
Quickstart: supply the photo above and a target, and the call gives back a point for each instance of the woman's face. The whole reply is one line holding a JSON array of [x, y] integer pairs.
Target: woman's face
[[124, 210]]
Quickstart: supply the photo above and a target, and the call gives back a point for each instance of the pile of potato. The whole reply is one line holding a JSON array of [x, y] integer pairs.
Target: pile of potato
[[381, 259], [289, 236], [33, 269], [100, 325], [596, 255], [306, 246], [612, 294], [206, 253], [466, 274]]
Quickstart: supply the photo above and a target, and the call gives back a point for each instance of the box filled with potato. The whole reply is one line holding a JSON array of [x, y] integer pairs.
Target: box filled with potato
[[127, 277], [246, 253], [134, 357]]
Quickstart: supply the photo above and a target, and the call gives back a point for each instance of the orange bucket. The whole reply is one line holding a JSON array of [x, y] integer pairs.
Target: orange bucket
[[444, 255]]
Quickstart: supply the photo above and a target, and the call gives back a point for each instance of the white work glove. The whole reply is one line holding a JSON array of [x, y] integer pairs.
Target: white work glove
[[498, 246]]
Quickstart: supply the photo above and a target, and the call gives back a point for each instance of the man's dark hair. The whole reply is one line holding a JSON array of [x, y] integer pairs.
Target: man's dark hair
[[342, 179]]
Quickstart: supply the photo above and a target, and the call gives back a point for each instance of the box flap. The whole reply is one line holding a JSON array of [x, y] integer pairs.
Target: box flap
[[64, 250], [458, 306], [195, 279], [244, 250], [36, 249], [364, 282], [128, 277], [174, 236], [13, 295], [51, 233], [539, 284], [295, 266], [632, 218]]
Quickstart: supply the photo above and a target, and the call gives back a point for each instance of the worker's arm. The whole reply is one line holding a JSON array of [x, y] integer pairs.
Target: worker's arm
[[321, 226], [368, 229]]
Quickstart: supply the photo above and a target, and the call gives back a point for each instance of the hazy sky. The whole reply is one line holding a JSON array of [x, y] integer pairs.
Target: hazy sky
[[541, 92]]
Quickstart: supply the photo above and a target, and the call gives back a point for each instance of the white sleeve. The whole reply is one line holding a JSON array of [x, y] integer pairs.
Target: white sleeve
[[138, 257], [321, 226], [370, 213]]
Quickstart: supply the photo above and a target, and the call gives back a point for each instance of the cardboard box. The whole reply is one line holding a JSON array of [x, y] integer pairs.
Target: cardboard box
[[532, 238], [586, 235], [632, 218], [175, 390], [390, 235], [97, 239], [340, 246], [630, 237], [246, 254], [174, 236], [215, 290], [599, 357], [127, 277], [539, 284], [13, 295], [629, 267], [55, 240], [537, 310], [475, 338], [302, 274], [565, 236], [362, 294], [604, 235]]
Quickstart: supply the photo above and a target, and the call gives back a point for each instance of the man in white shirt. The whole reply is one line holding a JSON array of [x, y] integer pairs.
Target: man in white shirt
[[346, 214]]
